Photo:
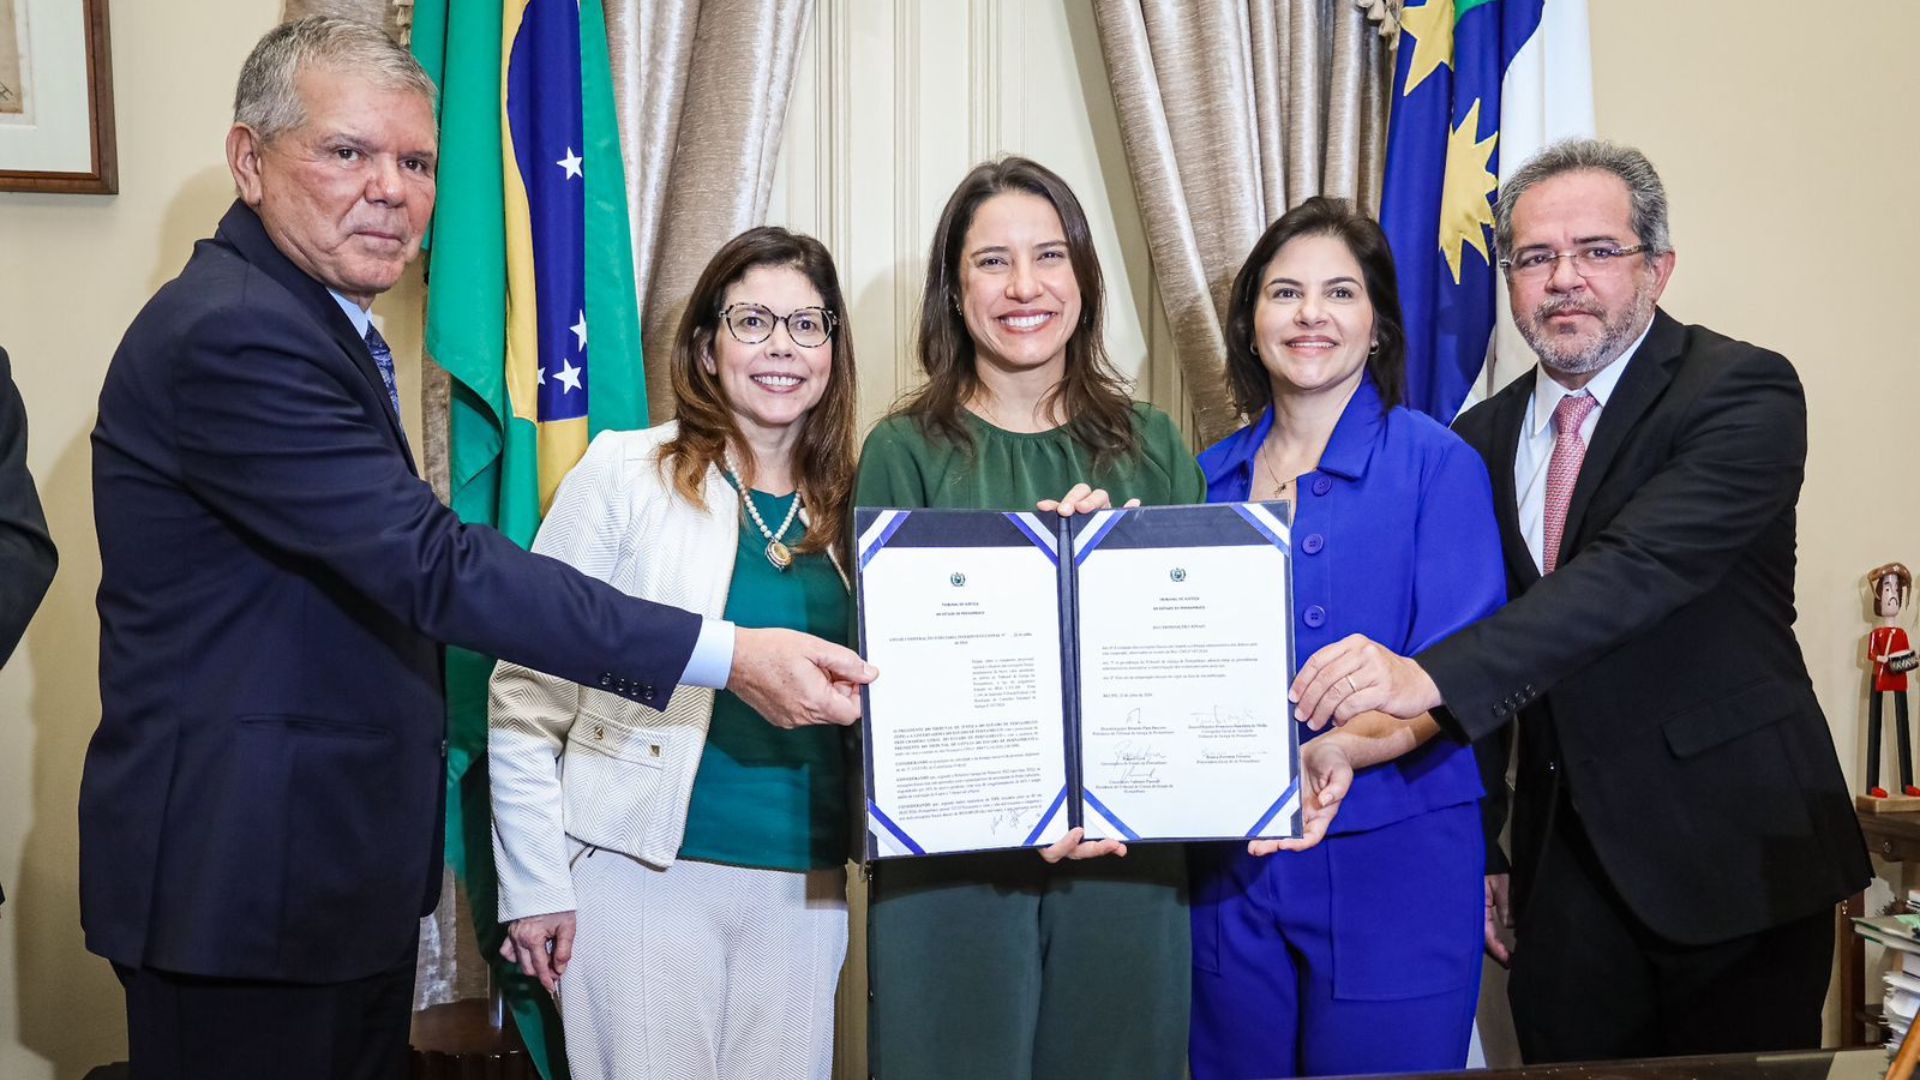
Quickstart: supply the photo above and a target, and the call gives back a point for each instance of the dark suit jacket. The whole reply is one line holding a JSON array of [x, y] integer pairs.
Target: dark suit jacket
[[27, 557], [264, 796], [1655, 674]]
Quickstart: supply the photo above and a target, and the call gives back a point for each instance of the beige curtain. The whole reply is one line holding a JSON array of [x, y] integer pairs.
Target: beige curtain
[[1231, 112], [701, 87]]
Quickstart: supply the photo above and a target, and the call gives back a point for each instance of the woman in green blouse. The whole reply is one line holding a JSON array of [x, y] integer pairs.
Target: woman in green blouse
[[1072, 962]]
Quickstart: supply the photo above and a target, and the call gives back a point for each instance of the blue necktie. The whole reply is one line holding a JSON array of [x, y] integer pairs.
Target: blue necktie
[[383, 359]]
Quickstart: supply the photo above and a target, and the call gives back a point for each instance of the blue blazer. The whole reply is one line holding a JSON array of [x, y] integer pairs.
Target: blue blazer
[[1395, 538], [264, 797]]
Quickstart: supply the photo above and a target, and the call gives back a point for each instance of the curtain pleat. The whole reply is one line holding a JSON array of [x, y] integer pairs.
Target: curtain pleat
[[701, 89], [1231, 112]]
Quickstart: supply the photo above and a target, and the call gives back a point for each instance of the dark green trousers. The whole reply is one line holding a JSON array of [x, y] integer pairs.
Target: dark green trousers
[[1001, 966]]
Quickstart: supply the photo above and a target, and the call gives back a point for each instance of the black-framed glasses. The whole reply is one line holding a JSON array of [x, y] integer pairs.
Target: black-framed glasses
[[751, 324], [1588, 261]]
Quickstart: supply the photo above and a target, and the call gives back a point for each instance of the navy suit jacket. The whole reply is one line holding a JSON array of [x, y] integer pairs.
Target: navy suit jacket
[[264, 797], [27, 555], [1655, 675]]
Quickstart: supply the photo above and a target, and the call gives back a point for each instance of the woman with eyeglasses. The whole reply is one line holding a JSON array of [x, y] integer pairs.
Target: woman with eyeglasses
[[677, 878], [1010, 964], [1361, 955]]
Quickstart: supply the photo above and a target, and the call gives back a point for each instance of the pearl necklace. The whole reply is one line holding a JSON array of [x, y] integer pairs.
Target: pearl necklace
[[778, 553]]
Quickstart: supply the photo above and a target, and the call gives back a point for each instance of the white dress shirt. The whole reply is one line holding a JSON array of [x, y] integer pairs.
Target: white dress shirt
[[359, 316], [1535, 448]]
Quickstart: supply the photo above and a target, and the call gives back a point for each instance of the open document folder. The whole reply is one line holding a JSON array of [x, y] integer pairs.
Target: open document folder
[[1125, 671]]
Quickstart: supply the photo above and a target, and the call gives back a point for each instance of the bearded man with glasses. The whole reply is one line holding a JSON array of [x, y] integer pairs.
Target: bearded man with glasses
[[1681, 827]]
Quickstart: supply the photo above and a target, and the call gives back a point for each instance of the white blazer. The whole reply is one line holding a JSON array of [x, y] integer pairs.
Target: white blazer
[[570, 760]]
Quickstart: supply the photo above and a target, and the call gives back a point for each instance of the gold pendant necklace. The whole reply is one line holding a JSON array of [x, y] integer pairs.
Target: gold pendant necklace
[[1280, 488], [778, 553]]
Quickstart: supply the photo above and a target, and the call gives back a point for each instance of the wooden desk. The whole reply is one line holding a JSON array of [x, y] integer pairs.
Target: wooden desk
[[459, 1042], [1855, 1064], [1895, 838]]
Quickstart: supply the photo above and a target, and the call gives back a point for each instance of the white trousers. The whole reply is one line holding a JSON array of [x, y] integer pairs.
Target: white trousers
[[702, 971]]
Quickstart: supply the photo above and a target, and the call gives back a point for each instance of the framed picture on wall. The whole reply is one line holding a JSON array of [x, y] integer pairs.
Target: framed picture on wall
[[56, 98]]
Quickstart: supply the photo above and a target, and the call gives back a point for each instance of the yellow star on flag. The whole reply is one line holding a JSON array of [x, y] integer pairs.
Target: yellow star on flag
[[1465, 213], [1431, 25]]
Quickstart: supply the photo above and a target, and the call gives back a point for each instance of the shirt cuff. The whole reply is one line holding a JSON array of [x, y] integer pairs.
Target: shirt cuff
[[712, 659]]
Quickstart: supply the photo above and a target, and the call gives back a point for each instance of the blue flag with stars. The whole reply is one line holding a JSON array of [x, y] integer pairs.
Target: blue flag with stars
[[1443, 168]]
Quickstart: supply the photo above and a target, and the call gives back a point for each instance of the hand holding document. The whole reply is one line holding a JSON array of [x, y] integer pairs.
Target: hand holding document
[[1121, 672], [1326, 775], [795, 679], [1081, 499]]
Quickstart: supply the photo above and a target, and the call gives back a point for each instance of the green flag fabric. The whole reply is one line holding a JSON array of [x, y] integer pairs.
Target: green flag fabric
[[521, 416]]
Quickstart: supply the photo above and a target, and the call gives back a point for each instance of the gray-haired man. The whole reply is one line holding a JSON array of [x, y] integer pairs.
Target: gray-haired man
[[261, 809]]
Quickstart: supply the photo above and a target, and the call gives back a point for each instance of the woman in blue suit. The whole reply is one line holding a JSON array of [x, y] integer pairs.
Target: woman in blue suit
[[1360, 955]]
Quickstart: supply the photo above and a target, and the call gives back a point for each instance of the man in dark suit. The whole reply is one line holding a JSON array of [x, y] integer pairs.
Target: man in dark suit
[[27, 557], [1681, 827], [262, 805]]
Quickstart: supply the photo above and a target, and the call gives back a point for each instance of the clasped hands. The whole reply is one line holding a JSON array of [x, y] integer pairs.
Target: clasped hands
[[1357, 675]]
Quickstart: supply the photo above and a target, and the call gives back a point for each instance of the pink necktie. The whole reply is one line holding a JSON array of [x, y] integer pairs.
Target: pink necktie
[[1564, 469]]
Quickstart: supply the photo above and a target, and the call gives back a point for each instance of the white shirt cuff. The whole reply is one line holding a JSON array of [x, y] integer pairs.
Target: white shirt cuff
[[712, 659]]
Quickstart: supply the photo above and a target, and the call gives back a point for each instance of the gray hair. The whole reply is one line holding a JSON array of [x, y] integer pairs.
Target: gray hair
[[1645, 192], [268, 97]]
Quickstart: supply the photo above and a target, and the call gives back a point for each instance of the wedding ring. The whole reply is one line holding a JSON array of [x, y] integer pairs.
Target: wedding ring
[[1351, 689]]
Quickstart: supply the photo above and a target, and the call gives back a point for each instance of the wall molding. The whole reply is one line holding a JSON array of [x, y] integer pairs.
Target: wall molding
[[910, 232], [984, 79], [892, 103]]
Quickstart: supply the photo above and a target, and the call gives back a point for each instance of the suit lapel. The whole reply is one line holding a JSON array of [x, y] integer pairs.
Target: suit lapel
[[1648, 373], [1510, 412], [242, 228]]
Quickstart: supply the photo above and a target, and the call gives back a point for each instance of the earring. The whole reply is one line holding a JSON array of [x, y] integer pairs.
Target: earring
[[1375, 348]]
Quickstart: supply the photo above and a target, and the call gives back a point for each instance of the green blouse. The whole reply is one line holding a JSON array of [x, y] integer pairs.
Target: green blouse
[[1006, 470], [763, 797]]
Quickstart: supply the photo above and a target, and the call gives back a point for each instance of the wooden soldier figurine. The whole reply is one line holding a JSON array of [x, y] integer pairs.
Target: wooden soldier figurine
[[1892, 657]]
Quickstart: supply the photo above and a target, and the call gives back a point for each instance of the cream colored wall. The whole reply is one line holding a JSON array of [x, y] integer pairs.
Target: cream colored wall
[[73, 271], [1779, 138], [1787, 146]]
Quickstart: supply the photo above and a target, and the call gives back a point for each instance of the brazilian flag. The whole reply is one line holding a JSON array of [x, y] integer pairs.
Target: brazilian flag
[[529, 249]]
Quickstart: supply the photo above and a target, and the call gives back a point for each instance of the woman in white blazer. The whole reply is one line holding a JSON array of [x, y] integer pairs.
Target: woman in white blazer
[[678, 878]]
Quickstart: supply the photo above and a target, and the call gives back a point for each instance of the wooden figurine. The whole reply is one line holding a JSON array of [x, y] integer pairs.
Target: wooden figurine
[[1892, 657]]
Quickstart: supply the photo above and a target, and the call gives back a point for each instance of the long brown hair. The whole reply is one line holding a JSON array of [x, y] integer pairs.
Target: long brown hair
[[1247, 376], [1095, 400], [824, 456]]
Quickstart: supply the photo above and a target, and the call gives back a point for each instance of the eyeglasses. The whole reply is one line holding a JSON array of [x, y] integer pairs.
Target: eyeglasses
[[1590, 261], [751, 324]]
